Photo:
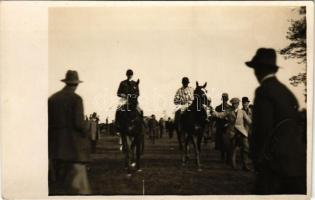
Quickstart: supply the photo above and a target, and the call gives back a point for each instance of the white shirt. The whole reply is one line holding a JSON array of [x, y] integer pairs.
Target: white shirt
[[267, 77]]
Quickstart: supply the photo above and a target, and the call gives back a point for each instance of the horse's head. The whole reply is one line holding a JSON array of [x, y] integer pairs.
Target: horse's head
[[133, 96], [200, 94]]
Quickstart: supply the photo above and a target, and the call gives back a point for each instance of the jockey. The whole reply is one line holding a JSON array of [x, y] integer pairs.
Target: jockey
[[126, 87], [183, 99], [184, 95], [128, 91]]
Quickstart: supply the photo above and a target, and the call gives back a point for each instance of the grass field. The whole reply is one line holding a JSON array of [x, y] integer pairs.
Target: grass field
[[163, 173]]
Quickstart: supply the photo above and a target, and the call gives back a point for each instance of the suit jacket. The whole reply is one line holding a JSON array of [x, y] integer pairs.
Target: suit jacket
[[274, 104], [236, 120], [248, 127], [242, 120], [222, 122], [68, 132], [128, 88]]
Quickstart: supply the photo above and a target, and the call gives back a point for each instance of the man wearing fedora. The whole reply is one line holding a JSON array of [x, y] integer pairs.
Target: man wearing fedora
[[68, 140], [277, 147], [245, 106]]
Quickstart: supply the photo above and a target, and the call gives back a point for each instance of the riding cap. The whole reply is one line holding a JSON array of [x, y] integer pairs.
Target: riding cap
[[185, 80], [129, 72]]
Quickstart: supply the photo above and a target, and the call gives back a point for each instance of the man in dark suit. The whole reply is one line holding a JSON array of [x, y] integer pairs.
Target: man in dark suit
[[68, 139], [128, 86], [277, 147], [221, 125], [128, 91]]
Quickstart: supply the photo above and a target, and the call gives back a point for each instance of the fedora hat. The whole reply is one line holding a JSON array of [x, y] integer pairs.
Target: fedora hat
[[264, 58], [72, 77], [245, 99]]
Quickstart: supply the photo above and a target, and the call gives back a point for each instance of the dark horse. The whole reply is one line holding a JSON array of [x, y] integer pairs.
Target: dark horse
[[130, 125], [193, 122]]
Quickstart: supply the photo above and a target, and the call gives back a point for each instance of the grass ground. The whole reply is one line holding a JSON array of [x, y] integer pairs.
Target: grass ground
[[162, 172]]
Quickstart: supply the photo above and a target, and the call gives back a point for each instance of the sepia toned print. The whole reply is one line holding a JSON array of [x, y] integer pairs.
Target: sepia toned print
[[156, 100], [228, 149]]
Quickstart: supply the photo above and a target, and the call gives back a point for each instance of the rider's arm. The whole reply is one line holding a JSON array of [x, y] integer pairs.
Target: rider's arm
[[220, 115], [121, 91], [177, 99]]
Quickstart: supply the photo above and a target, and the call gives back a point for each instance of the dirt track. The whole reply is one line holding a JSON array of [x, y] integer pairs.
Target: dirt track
[[162, 172]]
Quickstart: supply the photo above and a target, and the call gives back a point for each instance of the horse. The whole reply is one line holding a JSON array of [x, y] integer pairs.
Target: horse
[[130, 124], [193, 121]]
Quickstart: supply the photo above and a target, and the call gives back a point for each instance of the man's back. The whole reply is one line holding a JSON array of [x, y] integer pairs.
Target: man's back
[[273, 103], [67, 128], [61, 109], [274, 106]]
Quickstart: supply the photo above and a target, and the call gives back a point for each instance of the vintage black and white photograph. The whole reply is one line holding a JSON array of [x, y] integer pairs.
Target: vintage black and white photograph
[[177, 100], [156, 100]]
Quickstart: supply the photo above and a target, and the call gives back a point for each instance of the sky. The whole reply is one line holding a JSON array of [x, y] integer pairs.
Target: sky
[[161, 44]]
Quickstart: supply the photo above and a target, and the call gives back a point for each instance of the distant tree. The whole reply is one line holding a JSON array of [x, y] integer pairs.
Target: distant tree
[[297, 47]]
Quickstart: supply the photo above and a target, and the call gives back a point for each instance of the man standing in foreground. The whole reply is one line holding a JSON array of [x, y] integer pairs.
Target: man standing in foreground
[[277, 147], [68, 140]]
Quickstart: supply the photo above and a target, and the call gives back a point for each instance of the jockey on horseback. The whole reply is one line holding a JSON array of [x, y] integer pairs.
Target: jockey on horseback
[[183, 99], [129, 122], [184, 95], [128, 92]]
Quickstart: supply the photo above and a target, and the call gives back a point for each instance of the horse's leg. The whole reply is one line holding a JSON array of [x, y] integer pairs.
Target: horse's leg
[[199, 139], [195, 140], [142, 143], [180, 136], [124, 144], [132, 148], [184, 150], [138, 143], [126, 151]]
